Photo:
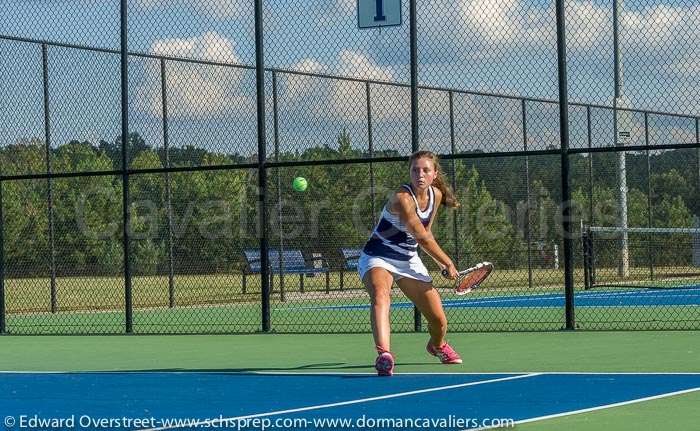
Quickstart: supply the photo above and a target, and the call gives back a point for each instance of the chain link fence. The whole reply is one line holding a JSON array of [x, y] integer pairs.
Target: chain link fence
[[210, 248]]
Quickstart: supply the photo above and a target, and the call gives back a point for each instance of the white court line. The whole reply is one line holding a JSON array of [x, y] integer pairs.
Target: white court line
[[418, 373], [352, 373], [624, 373], [592, 409], [288, 373], [345, 403]]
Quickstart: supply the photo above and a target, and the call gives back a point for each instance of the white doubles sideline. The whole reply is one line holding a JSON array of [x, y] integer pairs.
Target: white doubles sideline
[[592, 409], [440, 388], [358, 401]]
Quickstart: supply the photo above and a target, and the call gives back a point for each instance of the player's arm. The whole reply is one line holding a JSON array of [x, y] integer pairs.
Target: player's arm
[[405, 208]]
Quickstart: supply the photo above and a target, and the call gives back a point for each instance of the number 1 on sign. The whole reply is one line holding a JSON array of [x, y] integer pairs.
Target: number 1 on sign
[[380, 11]]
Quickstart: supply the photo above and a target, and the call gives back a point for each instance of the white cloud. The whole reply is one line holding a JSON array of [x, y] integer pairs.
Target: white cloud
[[343, 100], [196, 90], [653, 26], [686, 66], [588, 26], [334, 97], [665, 33], [147, 4], [484, 25], [209, 46], [346, 100], [490, 20], [347, 5], [356, 64], [301, 86], [220, 9], [662, 52]]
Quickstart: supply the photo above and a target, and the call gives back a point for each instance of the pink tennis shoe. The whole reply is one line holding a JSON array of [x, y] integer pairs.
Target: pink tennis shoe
[[384, 364], [446, 353]]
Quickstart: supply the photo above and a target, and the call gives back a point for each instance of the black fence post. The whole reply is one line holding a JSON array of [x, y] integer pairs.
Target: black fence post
[[565, 186], [589, 269], [697, 152], [414, 111], [589, 138], [455, 215], [2, 265], [650, 207], [528, 233], [280, 247], [586, 258], [168, 191], [49, 194], [262, 168], [125, 176], [413, 30], [370, 146]]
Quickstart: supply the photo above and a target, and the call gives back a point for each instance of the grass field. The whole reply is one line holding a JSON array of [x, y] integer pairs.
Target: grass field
[[107, 293], [216, 304]]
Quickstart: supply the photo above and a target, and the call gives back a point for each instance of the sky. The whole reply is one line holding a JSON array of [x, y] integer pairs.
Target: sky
[[493, 46]]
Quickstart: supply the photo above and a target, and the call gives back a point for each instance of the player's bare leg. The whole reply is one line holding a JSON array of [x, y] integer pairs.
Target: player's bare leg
[[428, 302], [378, 283]]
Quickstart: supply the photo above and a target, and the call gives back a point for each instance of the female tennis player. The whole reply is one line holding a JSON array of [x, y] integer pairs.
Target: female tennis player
[[391, 254]]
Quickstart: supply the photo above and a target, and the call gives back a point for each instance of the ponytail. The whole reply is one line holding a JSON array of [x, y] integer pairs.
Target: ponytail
[[440, 182], [448, 196]]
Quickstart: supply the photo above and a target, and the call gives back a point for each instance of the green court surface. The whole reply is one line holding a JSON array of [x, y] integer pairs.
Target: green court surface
[[621, 352]]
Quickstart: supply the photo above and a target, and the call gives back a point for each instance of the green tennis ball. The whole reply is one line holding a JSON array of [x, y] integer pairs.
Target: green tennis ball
[[299, 184]]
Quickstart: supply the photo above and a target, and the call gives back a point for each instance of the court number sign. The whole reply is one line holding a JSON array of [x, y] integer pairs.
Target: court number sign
[[378, 13]]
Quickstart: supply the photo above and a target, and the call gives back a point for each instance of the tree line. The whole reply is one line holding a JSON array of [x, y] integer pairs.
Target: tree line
[[214, 214]]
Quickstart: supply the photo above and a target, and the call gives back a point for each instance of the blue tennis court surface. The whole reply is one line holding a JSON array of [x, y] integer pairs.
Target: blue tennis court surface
[[156, 398], [688, 296]]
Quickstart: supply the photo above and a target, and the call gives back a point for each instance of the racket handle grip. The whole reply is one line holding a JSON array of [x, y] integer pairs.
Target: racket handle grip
[[445, 273]]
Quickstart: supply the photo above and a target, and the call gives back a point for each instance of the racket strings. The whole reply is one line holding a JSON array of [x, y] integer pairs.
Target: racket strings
[[471, 280], [473, 277]]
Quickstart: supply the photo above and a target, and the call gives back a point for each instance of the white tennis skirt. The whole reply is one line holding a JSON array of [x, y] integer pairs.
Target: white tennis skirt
[[412, 268]]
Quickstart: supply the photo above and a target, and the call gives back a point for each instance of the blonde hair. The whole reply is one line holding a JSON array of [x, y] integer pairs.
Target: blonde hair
[[448, 196]]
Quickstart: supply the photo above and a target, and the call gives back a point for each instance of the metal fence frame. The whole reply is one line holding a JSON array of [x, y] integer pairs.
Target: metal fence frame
[[264, 163]]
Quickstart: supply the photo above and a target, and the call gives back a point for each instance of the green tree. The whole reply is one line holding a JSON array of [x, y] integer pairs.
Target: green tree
[[25, 222], [484, 227], [87, 209], [23, 158], [606, 208], [672, 212], [148, 217], [206, 215], [670, 183]]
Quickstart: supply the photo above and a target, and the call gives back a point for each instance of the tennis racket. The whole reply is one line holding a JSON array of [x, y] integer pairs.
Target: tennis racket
[[470, 278]]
